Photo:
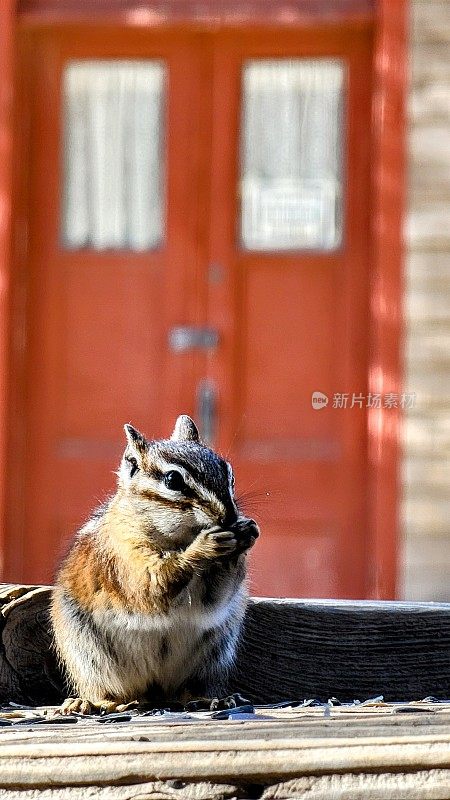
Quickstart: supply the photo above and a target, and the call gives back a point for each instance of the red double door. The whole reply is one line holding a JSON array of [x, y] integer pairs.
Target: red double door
[[251, 295]]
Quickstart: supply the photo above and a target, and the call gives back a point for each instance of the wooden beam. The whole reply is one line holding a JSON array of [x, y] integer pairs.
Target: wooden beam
[[345, 649], [386, 292], [248, 760], [157, 13], [291, 649]]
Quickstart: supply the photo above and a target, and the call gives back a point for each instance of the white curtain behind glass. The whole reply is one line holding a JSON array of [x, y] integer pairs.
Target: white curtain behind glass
[[113, 154], [292, 154]]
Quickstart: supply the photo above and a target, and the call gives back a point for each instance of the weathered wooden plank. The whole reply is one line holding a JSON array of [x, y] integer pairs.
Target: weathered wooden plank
[[340, 723], [357, 752], [28, 671], [153, 790], [290, 649], [351, 752], [81, 764], [345, 649], [432, 785]]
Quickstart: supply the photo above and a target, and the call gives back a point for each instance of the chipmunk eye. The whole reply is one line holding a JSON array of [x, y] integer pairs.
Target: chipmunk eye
[[133, 466], [174, 480]]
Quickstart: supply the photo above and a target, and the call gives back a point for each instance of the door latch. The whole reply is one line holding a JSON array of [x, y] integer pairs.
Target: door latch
[[188, 337], [207, 410]]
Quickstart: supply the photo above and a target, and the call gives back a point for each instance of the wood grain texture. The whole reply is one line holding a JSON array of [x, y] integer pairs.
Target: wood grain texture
[[345, 649], [79, 764], [426, 473], [432, 784], [150, 790], [368, 752], [352, 752], [290, 649], [28, 671], [356, 752]]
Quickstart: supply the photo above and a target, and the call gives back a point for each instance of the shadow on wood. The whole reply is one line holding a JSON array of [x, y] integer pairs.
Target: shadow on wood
[[291, 649]]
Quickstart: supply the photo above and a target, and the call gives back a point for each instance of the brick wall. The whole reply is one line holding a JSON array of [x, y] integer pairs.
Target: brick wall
[[426, 467]]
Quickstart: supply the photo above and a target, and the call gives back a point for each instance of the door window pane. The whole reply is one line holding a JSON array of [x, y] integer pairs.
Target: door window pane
[[113, 194], [291, 154]]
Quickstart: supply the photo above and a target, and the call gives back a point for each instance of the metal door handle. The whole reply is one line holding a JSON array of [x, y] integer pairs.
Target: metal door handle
[[207, 410]]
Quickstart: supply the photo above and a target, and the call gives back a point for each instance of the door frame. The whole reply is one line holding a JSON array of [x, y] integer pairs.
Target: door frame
[[389, 21]]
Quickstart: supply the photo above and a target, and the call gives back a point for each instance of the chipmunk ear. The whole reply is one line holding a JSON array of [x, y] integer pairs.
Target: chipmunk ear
[[136, 441], [185, 430]]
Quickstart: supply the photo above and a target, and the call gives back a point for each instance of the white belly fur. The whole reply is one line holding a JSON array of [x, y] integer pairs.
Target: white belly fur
[[137, 640]]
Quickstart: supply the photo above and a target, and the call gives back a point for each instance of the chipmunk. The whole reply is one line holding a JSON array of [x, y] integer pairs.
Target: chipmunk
[[148, 603]]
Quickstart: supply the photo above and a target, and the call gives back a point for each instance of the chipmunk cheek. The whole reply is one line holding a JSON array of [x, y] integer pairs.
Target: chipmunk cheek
[[172, 522], [203, 517]]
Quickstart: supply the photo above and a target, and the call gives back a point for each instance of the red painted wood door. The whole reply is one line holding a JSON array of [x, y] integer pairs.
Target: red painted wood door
[[294, 321], [290, 320], [97, 316]]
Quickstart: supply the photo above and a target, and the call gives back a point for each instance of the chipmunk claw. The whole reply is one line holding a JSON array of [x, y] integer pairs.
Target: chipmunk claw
[[225, 541], [75, 705], [216, 703], [79, 705], [230, 701], [214, 543], [110, 707]]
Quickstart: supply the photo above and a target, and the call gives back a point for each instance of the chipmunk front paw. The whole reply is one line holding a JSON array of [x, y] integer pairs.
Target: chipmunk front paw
[[213, 543]]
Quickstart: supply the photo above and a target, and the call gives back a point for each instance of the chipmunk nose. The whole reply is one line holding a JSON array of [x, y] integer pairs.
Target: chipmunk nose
[[247, 526], [250, 526]]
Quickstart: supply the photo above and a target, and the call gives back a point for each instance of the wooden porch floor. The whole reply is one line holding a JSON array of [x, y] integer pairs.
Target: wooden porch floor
[[357, 752]]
